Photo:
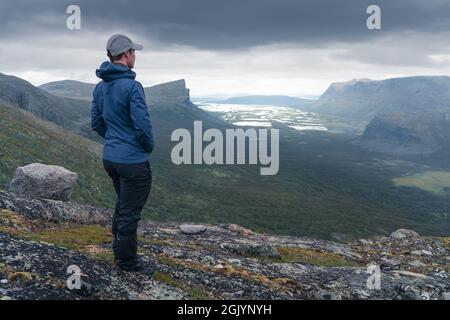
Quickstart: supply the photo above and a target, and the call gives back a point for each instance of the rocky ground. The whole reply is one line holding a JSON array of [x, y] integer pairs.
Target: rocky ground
[[38, 243]]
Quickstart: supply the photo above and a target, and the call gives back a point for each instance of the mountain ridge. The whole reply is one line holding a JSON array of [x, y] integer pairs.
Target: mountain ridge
[[363, 99], [69, 89]]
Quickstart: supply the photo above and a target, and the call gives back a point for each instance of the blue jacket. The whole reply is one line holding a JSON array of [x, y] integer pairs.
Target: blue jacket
[[120, 115]]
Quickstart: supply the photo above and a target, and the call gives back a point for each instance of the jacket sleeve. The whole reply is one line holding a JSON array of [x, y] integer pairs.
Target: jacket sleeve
[[97, 122], [140, 117]]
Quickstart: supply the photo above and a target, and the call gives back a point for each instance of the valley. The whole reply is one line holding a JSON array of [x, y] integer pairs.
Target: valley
[[327, 186]]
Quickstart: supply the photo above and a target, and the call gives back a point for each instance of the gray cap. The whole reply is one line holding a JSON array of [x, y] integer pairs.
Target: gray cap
[[119, 43]]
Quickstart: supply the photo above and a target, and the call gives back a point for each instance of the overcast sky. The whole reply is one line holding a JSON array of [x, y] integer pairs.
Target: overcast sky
[[292, 47]]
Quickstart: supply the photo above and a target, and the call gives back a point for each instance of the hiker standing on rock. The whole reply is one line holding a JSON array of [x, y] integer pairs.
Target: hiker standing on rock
[[120, 115]]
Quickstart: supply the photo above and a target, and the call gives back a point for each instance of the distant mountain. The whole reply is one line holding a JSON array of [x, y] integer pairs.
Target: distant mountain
[[168, 93], [69, 88], [407, 133], [363, 99], [71, 114], [404, 116], [278, 100], [169, 101]]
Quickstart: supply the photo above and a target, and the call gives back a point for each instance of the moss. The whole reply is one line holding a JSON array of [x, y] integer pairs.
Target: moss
[[20, 275], [198, 294], [446, 242], [3, 268], [73, 236], [17, 225], [85, 238], [105, 255], [8, 219], [195, 293], [308, 256], [167, 260], [311, 256], [4, 214], [17, 275], [230, 271], [166, 278], [156, 242]]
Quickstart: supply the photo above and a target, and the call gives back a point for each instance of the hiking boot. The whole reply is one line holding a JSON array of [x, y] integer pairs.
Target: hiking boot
[[125, 251]]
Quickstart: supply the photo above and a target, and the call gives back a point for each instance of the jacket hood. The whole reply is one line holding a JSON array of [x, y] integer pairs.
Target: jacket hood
[[110, 71]]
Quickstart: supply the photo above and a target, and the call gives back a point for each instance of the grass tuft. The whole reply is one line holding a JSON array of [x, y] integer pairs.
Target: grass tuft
[[314, 257]]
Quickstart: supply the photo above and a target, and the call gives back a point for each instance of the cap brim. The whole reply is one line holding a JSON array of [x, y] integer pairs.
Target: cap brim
[[136, 46]]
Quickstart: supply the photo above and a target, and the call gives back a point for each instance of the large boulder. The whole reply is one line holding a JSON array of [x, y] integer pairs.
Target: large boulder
[[38, 180]]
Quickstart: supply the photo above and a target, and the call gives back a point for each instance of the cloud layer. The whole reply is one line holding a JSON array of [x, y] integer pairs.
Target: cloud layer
[[246, 46]]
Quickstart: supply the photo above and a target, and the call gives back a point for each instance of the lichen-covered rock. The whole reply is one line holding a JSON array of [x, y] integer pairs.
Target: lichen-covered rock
[[48, 267], [237, 228], [38, 180], [219, 264], [54, 210], [404, 233], [192, 228], [251, 248]]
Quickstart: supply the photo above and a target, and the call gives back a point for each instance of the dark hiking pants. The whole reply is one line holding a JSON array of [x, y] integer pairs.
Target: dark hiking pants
[[132, 183]]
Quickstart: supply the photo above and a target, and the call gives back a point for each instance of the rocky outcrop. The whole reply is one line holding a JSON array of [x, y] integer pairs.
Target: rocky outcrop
[[38, 180], [168, 93], [54, 210], [42, 191], [222, 262], [44, 274]]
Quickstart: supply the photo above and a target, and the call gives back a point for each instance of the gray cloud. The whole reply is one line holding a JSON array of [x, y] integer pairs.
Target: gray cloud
[[235, 46], [232, 24]]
